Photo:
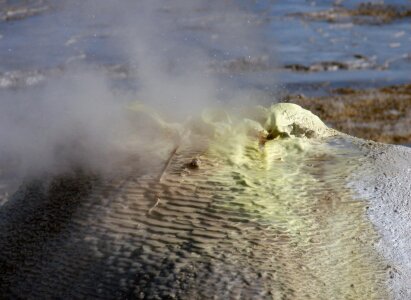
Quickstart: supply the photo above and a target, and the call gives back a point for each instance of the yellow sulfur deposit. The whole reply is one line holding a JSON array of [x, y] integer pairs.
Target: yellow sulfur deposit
[[293, 120], [279, 177], [295, 184]]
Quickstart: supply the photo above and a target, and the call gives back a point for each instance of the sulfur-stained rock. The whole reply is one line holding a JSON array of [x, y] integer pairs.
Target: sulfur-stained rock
[[311, 213]]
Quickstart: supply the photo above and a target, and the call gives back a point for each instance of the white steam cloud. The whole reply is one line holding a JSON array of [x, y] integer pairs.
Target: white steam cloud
[[79, 118]]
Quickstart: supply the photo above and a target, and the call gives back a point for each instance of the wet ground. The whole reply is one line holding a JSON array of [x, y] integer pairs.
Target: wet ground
[[369, 43]]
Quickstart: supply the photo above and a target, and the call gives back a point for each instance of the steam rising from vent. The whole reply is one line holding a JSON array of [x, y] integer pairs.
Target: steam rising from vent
[[73, 119], [81, 118]]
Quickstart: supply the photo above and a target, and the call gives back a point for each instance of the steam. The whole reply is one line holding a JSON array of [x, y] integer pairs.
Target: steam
[[72, 120], [81, 117]]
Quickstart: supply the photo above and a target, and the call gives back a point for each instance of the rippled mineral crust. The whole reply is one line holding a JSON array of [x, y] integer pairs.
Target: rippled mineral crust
[[252, 221]]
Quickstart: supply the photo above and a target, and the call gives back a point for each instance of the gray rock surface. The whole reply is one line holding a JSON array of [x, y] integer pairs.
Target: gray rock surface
[[384, 179]]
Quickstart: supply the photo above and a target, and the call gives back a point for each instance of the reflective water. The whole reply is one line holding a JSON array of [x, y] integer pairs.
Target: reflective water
[[371, 54]]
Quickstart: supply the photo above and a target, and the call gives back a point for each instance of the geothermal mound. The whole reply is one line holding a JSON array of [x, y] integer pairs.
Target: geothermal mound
[[269, 205]]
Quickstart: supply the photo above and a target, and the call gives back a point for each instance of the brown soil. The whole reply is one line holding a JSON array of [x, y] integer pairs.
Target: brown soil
[[364, 13], [382, 115]]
